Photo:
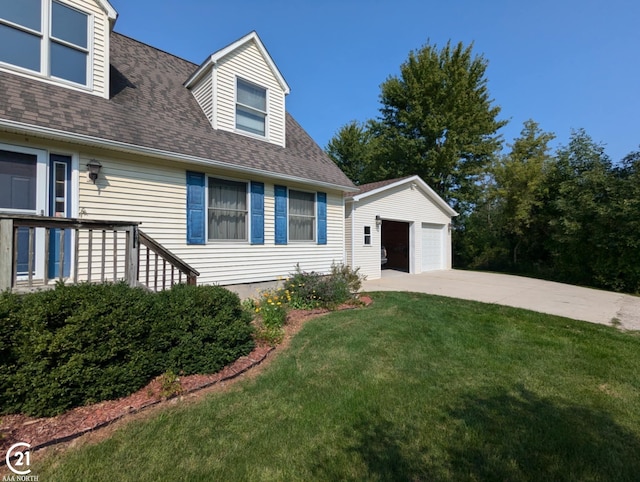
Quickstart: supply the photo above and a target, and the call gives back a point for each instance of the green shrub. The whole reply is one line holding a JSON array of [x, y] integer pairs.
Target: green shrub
[[271, 308], [349, 276], [80, 344], [270, 311], [10, 335], [312, 290], [200, 328], [170, 385]]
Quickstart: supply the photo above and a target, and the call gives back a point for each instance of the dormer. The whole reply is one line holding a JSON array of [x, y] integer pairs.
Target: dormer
[[64, 42], [241, 90]]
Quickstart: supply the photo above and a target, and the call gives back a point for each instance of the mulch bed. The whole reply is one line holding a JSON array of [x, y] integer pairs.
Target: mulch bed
[[44, 432]]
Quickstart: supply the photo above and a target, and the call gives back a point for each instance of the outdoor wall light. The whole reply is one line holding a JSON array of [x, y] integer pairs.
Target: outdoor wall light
[[94, 169], [378, 220]]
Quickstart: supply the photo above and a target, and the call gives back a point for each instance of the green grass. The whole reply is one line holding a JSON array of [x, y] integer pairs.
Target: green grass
[[414, 387]]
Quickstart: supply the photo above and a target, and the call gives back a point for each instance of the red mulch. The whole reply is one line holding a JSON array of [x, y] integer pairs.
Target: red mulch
[[44, 432]]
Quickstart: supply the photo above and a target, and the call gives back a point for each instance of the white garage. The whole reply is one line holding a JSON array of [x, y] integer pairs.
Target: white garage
[[399, 224]]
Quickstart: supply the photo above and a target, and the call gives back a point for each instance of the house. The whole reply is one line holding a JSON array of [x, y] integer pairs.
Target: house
[[405, 217], [98, 126]]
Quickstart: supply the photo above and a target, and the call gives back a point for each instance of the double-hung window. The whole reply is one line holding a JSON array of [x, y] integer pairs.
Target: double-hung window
[[45, 36], [227, 210], [302, 216], [251, 108]]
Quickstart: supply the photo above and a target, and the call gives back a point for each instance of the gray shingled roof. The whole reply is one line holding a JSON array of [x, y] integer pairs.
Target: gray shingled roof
[[374, 185], [150, 107]]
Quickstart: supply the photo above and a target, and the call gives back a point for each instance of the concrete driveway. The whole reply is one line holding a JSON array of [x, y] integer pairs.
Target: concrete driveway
[[586, 304]]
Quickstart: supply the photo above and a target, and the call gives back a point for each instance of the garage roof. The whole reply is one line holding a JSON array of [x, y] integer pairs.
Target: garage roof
[[370, 189]]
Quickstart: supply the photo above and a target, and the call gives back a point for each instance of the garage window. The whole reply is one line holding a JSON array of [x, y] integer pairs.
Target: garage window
[[367, 235]]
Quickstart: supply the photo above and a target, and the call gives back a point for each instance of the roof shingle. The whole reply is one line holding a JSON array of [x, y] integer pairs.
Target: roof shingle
[[374, 185], [150, 107]]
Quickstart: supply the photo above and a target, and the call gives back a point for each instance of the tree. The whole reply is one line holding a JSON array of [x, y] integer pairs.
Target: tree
[[585, 192], [437, 121], [521, 189], [620, 270], [351, 150]]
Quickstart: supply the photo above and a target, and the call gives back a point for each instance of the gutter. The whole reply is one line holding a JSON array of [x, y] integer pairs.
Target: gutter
[[58, 135]]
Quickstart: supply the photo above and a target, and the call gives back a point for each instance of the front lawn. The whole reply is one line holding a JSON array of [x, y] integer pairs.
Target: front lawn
[[414, 387]]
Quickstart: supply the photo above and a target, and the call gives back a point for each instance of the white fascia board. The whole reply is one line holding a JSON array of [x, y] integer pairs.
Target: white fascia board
[[109, 10], [220, 54], [54, 134], [198, 74], [413, 179]]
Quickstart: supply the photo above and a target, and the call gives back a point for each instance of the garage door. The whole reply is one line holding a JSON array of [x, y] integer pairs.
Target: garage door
[[432, 247]]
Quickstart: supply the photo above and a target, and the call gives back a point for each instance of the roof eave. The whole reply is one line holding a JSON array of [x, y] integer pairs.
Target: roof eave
[[109, 10], [54, 134], [222, 53]]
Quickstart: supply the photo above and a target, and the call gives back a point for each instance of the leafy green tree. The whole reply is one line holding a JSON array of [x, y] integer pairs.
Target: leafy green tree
[[437, 121], [584, 188], [620, 269], [351, 150], [521, 190]]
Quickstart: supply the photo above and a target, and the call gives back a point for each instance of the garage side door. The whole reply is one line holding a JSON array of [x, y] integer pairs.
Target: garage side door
[[432, 247]]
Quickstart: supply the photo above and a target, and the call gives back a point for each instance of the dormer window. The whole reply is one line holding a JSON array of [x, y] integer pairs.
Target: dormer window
[[251, 108], [47, 37]]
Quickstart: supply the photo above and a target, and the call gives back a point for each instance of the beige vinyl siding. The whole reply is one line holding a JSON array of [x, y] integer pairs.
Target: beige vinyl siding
[[99, 42], [247, 63], [203, 92], [404, 204], [155, 195], [126, 190], [348, 233], [367, 258]]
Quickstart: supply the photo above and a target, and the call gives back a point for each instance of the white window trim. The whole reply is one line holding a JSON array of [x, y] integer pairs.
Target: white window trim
[[45, 40], [315, 218], [65, 199], [235, 109], [231, 242], [364, 236]]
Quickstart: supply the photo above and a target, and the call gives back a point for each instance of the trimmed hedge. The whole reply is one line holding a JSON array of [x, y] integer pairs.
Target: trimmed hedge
[[82, 344]]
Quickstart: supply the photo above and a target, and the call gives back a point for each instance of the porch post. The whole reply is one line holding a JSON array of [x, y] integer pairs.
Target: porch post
[[132, 256], [6, 254]]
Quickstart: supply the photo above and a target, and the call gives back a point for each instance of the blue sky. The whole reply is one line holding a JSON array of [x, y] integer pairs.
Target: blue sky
[[566, 64]]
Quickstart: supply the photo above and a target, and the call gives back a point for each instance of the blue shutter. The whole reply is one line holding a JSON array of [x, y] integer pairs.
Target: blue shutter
[[195, 208], [281, 214], [322, 217], [257, 213]]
